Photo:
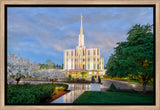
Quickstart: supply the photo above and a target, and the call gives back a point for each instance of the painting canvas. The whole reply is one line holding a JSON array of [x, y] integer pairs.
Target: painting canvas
[[78, 55]]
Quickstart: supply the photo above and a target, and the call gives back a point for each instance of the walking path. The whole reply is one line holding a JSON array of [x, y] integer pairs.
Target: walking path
[[105, 84], [123, 85], [78, 89]]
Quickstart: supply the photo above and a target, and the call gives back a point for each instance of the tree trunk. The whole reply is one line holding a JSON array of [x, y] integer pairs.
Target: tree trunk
[[144, 87], [18, 79]]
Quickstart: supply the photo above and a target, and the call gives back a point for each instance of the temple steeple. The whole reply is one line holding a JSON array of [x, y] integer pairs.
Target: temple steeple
[[82, 59], [81, 25], [81, 36]]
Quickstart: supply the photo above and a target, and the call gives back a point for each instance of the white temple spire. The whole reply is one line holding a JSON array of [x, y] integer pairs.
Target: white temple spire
[[81, 24], [81, 36]]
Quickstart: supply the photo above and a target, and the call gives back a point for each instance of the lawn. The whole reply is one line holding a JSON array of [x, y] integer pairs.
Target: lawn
[[89, 97]]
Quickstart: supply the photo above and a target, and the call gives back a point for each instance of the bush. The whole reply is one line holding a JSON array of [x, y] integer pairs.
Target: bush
[[61, 86], [31, 94], [84, 74], [107, 77], [112, 88], [83, 79], [76, 80]]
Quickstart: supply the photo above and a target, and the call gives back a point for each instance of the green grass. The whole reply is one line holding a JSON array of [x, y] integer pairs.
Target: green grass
[[90, 97]]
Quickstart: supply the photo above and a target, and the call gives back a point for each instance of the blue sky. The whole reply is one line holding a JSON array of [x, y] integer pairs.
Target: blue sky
[[44, 33]]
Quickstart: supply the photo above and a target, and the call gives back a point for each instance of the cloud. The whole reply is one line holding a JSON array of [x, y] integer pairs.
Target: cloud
[[47, 32]]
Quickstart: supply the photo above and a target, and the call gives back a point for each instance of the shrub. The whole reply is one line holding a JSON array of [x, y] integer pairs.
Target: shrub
[[31, 94], [84, 74], [107, 77], [61, 86], [76, 80], [83, 79], [112, 88]]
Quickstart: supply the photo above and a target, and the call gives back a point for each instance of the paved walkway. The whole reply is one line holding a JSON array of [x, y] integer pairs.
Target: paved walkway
[[76, 91], [105, 84], [123, 85]]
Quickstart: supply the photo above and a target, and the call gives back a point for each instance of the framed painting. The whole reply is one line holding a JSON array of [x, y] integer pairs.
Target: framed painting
[[80, 54]]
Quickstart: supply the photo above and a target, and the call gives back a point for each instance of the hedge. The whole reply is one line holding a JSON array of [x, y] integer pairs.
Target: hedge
[[32, 94]]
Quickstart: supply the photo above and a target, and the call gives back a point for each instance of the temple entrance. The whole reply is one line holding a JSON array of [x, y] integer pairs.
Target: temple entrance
[[83, 73]]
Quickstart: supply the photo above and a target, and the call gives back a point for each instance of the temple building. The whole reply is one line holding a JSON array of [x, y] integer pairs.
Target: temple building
[[82, 59]]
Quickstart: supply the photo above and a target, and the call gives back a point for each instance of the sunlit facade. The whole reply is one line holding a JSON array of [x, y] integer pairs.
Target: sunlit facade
[[82, 59]]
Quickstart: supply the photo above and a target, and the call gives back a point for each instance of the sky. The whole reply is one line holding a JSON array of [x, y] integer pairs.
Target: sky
[[41, 33]]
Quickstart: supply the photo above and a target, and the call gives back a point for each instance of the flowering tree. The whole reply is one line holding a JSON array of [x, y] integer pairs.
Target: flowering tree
[[52, 74], [61, 75], [34, 70], [18, 68]]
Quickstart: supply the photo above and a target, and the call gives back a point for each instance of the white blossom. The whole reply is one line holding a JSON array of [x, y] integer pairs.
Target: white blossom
[[20, 67], [53, 74]]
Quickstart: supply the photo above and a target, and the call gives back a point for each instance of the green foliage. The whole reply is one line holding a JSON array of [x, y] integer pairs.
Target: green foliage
[[112, 66], [61, 86], [31, 94], [105, 66], [53, 65], [107, 76], [134, 57], [49, 65], [138, 31], [84, 74], [76, 80], [42, 66], [128, 79], [49, 61], [112, 88]]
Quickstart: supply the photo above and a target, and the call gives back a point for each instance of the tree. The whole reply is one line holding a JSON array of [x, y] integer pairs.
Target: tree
[[134, 57], [42, 66], [49, 65], [18, 68], [112, 65], [49, 62], [52, 74], [105, 66], [53, 65], [34, 70], [62, 66]]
